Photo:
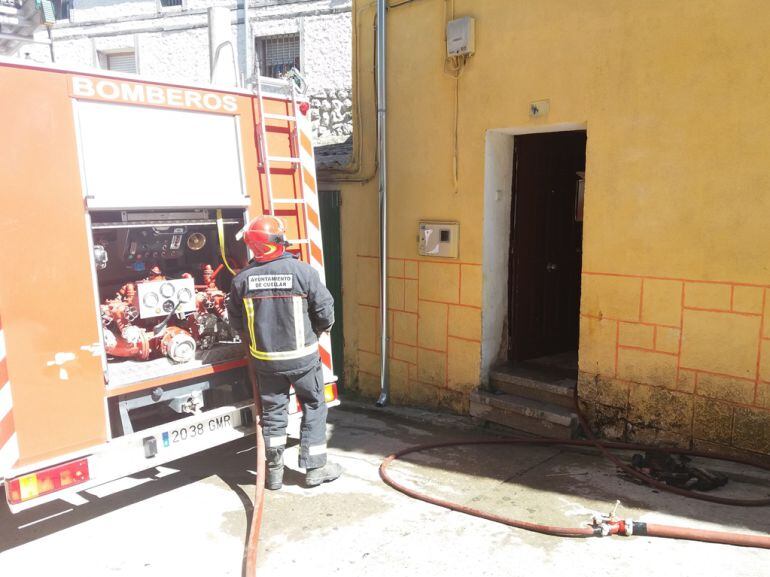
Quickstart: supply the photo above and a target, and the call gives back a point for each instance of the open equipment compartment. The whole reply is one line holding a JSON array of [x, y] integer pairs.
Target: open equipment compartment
[[162, 285], [165, 190], [163, 213]]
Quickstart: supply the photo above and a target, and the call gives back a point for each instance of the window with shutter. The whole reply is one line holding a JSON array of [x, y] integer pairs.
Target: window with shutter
[[121, 62]]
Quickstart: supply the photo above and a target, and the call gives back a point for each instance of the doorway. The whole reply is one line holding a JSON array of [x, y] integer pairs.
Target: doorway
[[329, 206], [545, 256]]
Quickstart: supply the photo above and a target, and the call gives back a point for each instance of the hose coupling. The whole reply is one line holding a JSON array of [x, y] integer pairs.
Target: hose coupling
[[610, 525], [605, 529], [628, 527]]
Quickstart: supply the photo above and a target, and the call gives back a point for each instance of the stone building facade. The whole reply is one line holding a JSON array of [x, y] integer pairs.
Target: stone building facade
[[168, 40]]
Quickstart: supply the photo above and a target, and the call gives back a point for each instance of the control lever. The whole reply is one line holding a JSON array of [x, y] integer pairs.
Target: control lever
[[157, 329]]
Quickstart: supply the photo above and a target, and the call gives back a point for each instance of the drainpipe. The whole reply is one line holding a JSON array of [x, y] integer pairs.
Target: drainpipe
[[222, 50], [247, 69], [382, 158]]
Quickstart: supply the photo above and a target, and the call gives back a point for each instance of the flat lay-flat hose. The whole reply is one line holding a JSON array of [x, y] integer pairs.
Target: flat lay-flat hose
[[259, 490], [609, 526]]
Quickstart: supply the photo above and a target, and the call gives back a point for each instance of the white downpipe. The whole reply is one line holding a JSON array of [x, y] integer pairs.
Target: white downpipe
[[247, 67], [222, 52], [383, 197]]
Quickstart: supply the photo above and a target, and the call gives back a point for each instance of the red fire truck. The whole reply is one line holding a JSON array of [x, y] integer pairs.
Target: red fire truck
[[122, 204]]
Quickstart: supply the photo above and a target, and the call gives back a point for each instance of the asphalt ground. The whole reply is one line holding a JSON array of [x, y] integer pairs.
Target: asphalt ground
[[191, 517]]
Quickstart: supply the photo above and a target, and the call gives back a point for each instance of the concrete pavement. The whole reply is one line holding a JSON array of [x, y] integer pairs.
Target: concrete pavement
[[190, 518]]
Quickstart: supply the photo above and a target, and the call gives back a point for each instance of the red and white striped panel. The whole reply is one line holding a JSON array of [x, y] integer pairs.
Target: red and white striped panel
[[9, 447], [313, 221]]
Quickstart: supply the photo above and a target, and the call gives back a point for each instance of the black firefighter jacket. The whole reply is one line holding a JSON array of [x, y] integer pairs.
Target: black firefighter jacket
[[280, 307]]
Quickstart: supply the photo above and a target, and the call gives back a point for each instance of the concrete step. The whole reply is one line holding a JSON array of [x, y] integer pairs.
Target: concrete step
[[546, 384], [522, 414]]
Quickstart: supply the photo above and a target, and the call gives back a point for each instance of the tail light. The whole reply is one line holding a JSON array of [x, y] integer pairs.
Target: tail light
[[330, 392], [46, 481]]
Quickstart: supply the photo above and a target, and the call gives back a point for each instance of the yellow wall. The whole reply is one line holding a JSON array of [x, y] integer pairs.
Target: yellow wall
[[674, 337]]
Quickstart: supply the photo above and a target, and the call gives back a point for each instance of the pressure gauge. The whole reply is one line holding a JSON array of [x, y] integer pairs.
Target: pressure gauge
[[184, 295], [167, 290], [196, 241], [150, 300]]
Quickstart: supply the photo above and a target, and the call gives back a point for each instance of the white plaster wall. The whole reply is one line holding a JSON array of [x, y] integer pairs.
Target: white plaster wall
[[155, 22], [78, 52], [181, 56], [172, 44], [85, 11], [272, 8], [327, 51], [498, 177], [326, 64], [205, 4], [95, 10], [35, 53], [274, 27]]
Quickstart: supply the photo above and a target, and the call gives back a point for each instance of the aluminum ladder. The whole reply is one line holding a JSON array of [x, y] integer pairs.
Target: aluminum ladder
[[293, 159]]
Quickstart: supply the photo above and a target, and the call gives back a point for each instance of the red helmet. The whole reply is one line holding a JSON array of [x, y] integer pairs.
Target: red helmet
[[266, 237]]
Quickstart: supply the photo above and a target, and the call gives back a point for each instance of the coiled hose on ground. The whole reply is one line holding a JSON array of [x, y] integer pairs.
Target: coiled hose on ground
[[608, 525], [600, 528]]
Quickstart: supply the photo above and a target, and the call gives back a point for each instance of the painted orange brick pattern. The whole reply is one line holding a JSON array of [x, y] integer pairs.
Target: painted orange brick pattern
[[435, 330], [677, 361]]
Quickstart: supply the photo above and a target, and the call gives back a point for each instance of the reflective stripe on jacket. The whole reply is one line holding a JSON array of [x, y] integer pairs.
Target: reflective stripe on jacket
[[280, 307]]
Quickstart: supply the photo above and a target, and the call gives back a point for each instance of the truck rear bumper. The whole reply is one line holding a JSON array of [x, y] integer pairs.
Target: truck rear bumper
[[142, 450]]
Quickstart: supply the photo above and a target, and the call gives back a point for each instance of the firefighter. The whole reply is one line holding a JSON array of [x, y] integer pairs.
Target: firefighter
[[280, 307]]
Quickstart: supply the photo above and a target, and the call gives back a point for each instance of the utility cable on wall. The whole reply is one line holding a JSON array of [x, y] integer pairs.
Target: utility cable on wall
[[453, 67]]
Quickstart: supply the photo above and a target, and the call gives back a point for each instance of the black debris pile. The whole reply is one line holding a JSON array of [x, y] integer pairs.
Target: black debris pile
[[677, 471]]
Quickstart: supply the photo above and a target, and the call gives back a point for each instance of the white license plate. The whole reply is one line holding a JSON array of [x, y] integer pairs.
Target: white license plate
[[196, 430]]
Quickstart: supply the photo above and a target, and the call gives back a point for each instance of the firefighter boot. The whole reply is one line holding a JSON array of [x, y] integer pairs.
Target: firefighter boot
[[329, 472], [274, 480]]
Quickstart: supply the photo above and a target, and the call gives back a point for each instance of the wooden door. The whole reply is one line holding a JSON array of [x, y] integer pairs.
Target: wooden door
[[546, 243]]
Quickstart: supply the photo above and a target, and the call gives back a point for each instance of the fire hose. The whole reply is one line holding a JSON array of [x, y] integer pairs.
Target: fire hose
[[601, 525], [259, 495]]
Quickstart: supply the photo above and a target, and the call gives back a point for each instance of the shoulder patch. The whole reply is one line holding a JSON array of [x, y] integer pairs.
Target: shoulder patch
[[270, 281]]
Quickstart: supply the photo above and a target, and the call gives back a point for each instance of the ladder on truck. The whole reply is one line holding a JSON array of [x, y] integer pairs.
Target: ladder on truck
[[305, 206]]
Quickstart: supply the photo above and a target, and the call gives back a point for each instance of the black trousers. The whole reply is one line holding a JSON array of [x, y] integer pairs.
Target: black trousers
[[309, 387]]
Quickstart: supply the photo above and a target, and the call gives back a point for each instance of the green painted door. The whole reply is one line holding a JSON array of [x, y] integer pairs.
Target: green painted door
[[330, 228]]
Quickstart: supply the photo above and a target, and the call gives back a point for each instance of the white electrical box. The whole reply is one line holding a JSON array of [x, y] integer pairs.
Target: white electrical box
[[439, 239], [461, 37]]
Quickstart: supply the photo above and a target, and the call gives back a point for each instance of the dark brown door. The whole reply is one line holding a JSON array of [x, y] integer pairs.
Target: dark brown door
[[546, 243]]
